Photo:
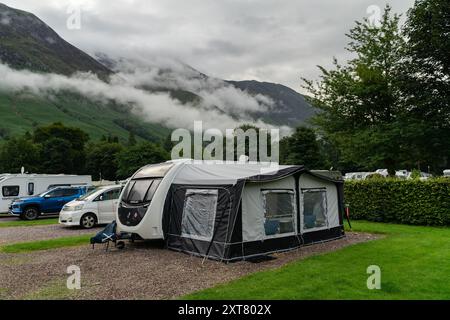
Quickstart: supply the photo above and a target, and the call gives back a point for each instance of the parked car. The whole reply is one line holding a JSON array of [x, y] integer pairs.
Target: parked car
[[15, 186], [48, 202], [402, 174], [97, 207], [446, 173]]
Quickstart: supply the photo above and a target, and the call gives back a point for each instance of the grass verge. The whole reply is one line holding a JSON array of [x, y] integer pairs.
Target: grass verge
[[21, 223], [45, 244], [413, 262]]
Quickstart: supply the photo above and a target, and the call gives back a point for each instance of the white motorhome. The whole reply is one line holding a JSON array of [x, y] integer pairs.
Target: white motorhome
[[446, 173], [13, 186]]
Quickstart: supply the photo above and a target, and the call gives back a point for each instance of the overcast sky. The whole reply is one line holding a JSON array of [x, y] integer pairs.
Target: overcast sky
[[267, 40]]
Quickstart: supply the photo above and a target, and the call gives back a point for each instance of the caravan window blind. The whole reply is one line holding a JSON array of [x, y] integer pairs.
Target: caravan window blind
[[199, 213]]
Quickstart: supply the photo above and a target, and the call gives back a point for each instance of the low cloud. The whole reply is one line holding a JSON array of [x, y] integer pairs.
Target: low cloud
[[169, 73], [4, 19], [126, 88]]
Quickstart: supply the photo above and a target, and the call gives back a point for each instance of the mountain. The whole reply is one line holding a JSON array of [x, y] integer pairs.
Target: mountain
[[26, 42], [291, 109]]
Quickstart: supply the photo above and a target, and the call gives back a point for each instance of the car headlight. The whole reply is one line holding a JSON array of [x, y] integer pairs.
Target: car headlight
[[73, 208]]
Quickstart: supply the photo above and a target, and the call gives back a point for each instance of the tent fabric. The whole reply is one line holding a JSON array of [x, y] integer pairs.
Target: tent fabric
[[253, 206], [308, 181], [229, 173], [225, 214]]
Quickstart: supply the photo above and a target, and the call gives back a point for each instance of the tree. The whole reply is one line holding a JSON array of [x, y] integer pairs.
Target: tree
[[426, 80], [130, 159], [361, 101], [101, 160], [58, 157], [302, 148], [17, 153], [62, 148], [131, 139]]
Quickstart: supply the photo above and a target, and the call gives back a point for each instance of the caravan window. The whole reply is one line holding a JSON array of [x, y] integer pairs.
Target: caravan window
[[199, 213], [314, 203], [10, 191], [279, 211], [30, 188]]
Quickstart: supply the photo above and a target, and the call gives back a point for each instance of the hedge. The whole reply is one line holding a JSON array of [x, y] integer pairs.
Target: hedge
[[401, 201]]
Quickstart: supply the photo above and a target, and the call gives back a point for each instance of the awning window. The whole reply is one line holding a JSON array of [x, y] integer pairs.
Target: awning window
[[279, 212], [199, 213]]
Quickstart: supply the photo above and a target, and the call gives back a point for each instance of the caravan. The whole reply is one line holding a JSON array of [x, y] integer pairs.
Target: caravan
[[230, 211], [14, 186]]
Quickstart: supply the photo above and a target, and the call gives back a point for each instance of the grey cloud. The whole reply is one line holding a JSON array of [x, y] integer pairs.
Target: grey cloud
[[268, 40], [123, 89]]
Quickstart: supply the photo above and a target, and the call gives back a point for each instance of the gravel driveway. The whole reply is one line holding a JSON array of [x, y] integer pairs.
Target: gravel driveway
[[140, 271], [34, 233]]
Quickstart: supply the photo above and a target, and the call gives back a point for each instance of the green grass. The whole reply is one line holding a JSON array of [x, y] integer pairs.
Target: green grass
[[414, 264], [45, 244], [53, 290], [21, 223], [24, 112]]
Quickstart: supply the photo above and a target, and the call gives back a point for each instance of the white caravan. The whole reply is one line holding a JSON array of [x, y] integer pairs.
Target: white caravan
[[230, 211], [13, 186], [96, 207]]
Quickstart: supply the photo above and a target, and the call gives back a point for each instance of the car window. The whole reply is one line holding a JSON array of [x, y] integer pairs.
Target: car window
[[55, 193], [70, 192], [115, 193], [109, 195]]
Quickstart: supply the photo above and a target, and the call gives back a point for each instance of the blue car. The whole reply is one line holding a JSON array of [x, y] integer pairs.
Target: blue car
[[48, 202]]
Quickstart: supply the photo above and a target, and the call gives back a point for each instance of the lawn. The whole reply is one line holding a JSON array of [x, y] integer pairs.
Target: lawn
[[46, 244], [414, 263], [22, 223]]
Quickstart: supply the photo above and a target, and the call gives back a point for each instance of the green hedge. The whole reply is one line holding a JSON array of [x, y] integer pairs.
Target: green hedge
[[401, 201]]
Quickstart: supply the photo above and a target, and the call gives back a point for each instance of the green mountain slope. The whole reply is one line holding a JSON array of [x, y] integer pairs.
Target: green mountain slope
[[28, 43], [291, 107], [20, 113]]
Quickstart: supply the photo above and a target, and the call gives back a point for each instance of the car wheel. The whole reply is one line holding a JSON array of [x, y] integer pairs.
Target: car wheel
[[30, 213], [88, 221]]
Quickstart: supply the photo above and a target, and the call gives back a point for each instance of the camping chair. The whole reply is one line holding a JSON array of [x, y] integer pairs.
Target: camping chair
[[107, 235]]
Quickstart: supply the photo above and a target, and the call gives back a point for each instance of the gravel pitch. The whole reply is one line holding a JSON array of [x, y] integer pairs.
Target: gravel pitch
[[140, 271], [35, 233]]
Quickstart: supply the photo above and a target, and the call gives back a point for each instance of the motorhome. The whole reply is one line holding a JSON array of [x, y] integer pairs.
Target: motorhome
[[14, 186], [230, 211]]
